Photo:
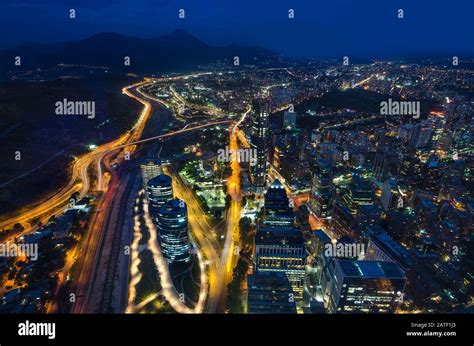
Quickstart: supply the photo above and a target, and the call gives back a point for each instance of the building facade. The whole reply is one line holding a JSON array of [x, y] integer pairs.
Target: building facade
[[259, 134], [279, 249], [172, 225], [159, 191], [352, 286], [270, 293], [150, 168]]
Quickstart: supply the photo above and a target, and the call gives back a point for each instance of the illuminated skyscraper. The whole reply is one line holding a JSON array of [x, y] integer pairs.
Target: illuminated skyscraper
[[358, 193], [382, 247], [260, 112], [390, 194], [172, 225], [277, 209], [270, 294], [352, 286], [322, 189], [282, 249], [421, 135], [150, 168], [159, 190], [385, 165], [289, 120]]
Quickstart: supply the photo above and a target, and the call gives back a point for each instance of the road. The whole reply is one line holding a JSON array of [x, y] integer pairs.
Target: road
[[79, 179], [89, 252], [230, 254], [89, 268], [202, 233], [89, 264]]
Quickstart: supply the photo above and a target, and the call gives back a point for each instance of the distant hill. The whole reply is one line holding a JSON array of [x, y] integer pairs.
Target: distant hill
[[176, 51]]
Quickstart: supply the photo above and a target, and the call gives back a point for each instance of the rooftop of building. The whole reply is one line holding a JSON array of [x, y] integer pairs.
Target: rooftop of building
[[371, 269], [151, 161], [279, 235], [172, 207], [160, 180], [393, 249], [271, 281]]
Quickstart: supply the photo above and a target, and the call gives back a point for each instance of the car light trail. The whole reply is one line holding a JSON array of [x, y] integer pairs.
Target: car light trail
[[135, 274], [169, 290]]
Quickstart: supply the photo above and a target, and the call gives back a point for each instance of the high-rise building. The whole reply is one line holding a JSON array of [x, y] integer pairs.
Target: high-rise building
[[368, 215], [315, 247], [404, 132], [322, 189], [421, 136], [277, 209], [382, 247], [279, 249], [150, 168], [410, 167], [289, 120], [260, 113], [385, 165], [358, 193], [391, 195], [352, 286], [279, 152], [270, 293], [159, 190], [172, 225], [425, 210]]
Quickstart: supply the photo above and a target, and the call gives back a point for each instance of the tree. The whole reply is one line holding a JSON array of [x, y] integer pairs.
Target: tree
[[246, 230], [234, 302], [18, 227], [234, 292], [244, 201]]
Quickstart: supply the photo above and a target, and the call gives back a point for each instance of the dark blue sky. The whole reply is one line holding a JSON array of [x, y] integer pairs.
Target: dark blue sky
[[366, 28]]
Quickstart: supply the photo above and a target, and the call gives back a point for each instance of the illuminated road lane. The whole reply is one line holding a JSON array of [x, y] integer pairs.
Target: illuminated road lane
[[201, 231], [168, 288]]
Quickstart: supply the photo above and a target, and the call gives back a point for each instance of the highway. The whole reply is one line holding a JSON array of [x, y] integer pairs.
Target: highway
[[202, 233], [88, 254], [92, 245], [78, 181], [90, 263], [230, 253]]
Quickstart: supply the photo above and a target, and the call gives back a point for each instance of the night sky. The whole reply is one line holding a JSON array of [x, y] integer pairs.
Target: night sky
[[366, 28]]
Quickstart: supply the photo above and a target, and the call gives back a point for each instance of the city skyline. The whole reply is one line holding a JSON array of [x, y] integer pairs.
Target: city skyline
[[228, 160]]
